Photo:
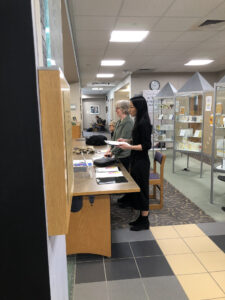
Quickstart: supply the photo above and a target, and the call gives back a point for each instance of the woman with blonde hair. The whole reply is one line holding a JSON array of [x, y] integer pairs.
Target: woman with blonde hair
[[123, 129]]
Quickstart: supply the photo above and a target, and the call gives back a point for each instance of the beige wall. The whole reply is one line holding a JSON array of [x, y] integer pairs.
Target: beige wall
[[141, 82], [89, 119], [75, 99]]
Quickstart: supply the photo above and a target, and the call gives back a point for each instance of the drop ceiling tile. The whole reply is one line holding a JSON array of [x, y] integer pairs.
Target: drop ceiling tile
[[148, 8], [162, 36], [96, 7], [195, 36], [120, 50], [97, 45], [175, 24], [94, 23], [92, 35], [182, 46], [135, 23], [218, 13], [192, 8]]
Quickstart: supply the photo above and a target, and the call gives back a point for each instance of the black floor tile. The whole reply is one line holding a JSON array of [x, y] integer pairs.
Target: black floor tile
[[90, 272], [121, 269], [88, 257], [219, 240], [145, 248], [121, 250], [153, 266]]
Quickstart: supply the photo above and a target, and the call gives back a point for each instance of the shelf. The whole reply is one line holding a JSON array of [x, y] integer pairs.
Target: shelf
[[189, 122], [164, 141], [191, 151]]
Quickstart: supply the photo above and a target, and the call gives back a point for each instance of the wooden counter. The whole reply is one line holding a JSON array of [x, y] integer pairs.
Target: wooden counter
[[90, 228]]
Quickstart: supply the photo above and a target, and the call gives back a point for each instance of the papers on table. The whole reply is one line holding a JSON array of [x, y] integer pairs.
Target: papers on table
[[82, 163], [115, 143], [107, 169], [108, 172]]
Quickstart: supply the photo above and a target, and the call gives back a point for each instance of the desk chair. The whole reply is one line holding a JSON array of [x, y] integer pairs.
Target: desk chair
[[156, 179]]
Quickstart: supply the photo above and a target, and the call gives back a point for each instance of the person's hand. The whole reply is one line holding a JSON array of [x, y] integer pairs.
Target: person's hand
[[108, 154], [121, 140], [125, 146]]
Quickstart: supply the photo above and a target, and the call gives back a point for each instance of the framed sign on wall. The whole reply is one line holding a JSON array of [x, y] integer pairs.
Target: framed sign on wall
[[94, 109]]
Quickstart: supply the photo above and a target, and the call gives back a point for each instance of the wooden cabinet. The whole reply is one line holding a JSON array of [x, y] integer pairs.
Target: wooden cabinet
[[56, 135], [76, 131]]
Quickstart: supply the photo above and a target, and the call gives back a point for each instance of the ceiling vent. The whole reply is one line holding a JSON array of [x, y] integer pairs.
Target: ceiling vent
[[211, 22], [144, 71], [209, 25]]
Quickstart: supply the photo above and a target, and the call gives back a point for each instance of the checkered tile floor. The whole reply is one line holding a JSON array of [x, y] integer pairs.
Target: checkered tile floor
[[166, 263]]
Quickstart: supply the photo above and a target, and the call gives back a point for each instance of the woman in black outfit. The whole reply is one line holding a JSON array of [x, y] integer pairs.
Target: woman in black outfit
[[139, 160]]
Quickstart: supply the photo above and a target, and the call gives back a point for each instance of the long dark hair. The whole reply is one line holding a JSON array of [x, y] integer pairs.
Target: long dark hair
[[140, 104]]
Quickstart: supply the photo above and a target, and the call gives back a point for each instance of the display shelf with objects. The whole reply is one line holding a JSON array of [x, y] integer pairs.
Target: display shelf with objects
[[189, 121], [163, 117], [218, 139]]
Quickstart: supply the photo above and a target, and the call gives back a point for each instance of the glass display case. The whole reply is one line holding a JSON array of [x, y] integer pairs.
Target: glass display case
[[188, 126], [163, 122], [218, 141]]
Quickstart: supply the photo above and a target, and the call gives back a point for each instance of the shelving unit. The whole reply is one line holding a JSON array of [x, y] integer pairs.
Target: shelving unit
[[163, 117], [190, 117], [218, 140]]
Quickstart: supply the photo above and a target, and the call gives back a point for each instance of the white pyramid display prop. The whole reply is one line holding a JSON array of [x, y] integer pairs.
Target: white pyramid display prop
[[197, 83], [222, 80], [168, 91]]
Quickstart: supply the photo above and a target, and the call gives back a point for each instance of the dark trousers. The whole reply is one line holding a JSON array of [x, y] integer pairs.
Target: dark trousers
[[126, 162], [140, 173]]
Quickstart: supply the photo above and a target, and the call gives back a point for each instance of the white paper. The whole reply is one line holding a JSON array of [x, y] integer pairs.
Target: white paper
[[115, 143], [208, 103], [107, 169], [108, 174]]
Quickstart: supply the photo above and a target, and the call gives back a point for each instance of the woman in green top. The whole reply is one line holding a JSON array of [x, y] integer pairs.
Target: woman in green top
[[123, 129]]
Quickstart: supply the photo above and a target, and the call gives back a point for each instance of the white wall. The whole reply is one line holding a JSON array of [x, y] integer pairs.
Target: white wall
[[141, 82], [75, 99], [88, 118]]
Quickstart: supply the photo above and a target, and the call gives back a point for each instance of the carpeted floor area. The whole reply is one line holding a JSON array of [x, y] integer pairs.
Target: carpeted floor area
[[177, 209]]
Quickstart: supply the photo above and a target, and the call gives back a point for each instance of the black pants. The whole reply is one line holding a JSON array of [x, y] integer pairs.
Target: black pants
[[140, 173], [126, 162]]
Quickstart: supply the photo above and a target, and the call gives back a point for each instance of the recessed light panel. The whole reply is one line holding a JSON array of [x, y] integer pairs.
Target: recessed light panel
[[97, 89], [128, 36], [199, 62], [112, 62], [106, 75]]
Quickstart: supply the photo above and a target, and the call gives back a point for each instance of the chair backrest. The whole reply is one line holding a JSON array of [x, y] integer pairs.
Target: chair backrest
[[160, 158]]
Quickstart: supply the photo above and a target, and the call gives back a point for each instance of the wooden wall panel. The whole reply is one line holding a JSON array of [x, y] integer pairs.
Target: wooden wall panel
[[57, 156]]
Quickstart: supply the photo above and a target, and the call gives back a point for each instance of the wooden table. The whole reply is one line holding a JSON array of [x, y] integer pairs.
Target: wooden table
[[90, 228]]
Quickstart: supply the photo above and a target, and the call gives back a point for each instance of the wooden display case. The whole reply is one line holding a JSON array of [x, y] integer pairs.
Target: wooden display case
[[56, 135]]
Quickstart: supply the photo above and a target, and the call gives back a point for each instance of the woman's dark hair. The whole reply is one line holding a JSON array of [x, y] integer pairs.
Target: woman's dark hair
[[140, 104]]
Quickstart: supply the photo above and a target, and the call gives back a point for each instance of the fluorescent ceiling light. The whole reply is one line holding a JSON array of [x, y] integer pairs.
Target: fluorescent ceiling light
[[106, 75], [128, 36], [199, 62], [112, 62], [97, 89]]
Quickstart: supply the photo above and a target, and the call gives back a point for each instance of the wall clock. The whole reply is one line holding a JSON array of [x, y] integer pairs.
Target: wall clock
[[154, 85]]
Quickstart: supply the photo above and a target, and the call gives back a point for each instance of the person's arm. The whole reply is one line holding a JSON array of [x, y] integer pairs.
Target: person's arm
[[125, 134], [145, 137]]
